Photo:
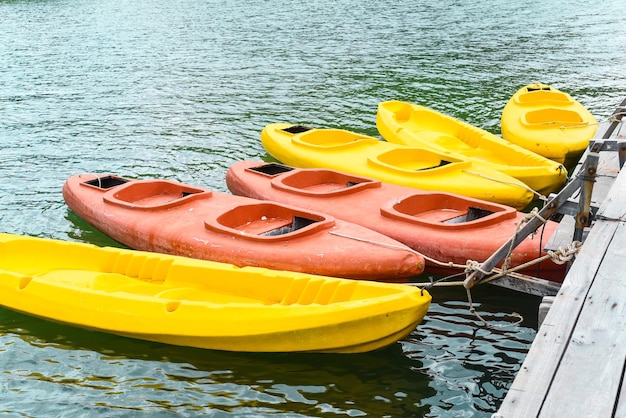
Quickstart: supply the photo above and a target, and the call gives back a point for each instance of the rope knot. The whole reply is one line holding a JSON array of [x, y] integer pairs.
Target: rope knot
[[534, 213], [563, 255], [473, 265]]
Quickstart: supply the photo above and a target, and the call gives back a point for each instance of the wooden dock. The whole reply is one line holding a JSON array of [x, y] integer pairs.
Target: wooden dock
[[576, 365]]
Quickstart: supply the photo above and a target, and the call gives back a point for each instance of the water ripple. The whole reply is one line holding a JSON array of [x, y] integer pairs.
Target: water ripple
[[181, 90]]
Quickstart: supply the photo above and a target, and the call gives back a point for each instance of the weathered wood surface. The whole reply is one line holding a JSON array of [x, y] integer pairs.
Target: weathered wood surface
[[534, 379], [596, 351], [576, 365], [528, 284]]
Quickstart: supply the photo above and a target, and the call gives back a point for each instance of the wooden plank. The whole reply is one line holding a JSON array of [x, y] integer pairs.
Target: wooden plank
[[620, 132], [528, 391], [544, 308], [614, 206], [606, 172], [597, 346], [620, 410], [563, 234], [608, 166], [532, 383], [528, 284]]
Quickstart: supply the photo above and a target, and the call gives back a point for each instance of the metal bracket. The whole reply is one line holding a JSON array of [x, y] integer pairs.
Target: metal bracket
[[583, 211], [584, 181], [618, 145]]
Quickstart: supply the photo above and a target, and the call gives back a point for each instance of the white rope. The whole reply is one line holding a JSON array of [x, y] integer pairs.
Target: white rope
[[472, 265], [449, 264], [613, 118], [560, 256], [487, 324], [534, 213], [522, 185]]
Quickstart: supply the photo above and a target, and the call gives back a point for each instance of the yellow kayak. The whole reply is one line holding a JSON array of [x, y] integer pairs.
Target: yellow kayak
[[203, 304], [366, 156], [417, 126], [548, 122]]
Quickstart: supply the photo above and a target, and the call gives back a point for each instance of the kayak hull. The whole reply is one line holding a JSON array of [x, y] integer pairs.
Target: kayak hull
[[445, 227], [202, 304], [420, 168], [417, 126], [174, 218]]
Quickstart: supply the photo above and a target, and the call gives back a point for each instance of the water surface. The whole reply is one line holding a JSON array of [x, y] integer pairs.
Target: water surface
[[181, 90]]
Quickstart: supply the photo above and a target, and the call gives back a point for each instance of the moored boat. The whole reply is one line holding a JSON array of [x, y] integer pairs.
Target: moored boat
[[445, 227], [548, 122], [418, 126], [203, 304], [361, 155], [174, 218]]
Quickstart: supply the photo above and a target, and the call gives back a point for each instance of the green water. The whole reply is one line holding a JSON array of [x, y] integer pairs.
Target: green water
[[181, 90]]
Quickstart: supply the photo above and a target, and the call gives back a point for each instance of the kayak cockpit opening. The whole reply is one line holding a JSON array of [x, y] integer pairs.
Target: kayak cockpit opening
[[271, 169], [296, 224], [297, 129], [442, 210], [417, 160], [471, 215], [106, 182], [154, 194], [441, 164], [268, 221], [540, 87], [322, 182]]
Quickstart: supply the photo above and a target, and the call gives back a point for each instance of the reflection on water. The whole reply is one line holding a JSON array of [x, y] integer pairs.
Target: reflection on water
[[469, 364], [82, 231], [181, 90], [449, 363], [108, 372]]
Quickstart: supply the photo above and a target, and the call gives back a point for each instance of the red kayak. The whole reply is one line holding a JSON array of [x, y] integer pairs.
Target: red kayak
[[442, 226], [173, 218]]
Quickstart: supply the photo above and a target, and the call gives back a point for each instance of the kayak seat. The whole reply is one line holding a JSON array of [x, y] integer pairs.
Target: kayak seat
[[445, 211], [153, 194], [267, 222], [553, 116], [333, 138], [534, 96], [318, 182]]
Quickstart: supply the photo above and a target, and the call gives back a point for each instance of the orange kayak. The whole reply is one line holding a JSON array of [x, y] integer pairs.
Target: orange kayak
[[173, 218], [442, 226]]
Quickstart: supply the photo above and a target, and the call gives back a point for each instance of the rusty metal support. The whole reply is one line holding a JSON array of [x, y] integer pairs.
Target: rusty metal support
[[583, 181], [587, 177], [621, 152], [589, 167]]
